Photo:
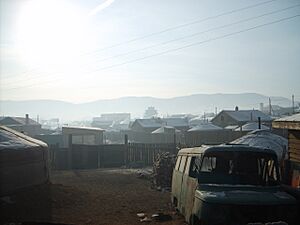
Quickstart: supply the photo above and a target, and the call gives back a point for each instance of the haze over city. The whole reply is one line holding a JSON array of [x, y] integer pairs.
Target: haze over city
[[89, 50]]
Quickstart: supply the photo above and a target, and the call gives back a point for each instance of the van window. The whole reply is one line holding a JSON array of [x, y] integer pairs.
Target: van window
[[195, 166], [188, 163], [208, 164], [182, 163], [245, 168], [177, 163]]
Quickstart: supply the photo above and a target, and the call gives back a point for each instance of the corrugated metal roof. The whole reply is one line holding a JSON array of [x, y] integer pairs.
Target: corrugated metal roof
[[21, 120], [252, 126], [247, 115], [83, 128], [165, 130], [205, 127], [176, 122], [293, 118], [231, 127], [150, 123]]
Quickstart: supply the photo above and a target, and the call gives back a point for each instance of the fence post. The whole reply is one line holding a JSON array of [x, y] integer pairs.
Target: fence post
[[174, 148], [98, 157], [126, 150], [70, 152]]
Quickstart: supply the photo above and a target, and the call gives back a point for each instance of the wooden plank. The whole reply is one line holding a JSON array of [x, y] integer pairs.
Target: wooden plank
[[295, 151], [294, 146], [294, 134], [295, 143], [286, 125], [294, 157]]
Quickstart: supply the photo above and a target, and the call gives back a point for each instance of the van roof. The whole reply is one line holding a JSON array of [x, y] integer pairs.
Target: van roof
[[225, 147]]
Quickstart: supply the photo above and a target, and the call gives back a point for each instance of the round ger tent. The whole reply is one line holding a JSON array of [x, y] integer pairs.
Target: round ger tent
[[265, 139], [23, 161]]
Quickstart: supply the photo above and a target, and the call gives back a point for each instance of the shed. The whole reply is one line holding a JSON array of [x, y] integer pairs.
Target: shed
[[208, 133], [292, 124], [82, 135], [166, 134], [146, 125], [23, 161]]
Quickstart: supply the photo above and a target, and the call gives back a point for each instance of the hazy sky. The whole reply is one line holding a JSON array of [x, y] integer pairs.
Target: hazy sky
[[91, 49]]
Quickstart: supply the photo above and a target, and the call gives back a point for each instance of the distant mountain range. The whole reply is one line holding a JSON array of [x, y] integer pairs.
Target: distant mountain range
[[194, 104]]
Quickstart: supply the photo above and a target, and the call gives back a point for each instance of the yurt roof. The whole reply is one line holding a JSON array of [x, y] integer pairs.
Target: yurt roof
[[11, 139]]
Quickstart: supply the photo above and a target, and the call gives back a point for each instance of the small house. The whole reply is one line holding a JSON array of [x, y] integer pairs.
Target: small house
[[146, 125], [240, 117], [82, 135], [24, 125], [207, 133]]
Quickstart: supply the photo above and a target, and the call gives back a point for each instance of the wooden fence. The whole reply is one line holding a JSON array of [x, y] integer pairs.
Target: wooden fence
[[145, 153], [104, 156]]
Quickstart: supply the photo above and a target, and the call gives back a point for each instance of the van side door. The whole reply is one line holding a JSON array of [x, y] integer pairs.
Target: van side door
[[189, 185], [176, 182]]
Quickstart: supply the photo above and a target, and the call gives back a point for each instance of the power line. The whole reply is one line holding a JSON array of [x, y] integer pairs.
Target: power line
[[176, 27], [184, 25], [198, 43], [197, 33], [179, 48], [182, 38]]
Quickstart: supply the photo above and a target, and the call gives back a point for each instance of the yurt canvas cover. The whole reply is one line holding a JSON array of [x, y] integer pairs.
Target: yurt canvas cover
[[265, 139], [23, 161]]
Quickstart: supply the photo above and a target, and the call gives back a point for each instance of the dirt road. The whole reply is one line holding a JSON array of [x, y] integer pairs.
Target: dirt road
[[90, 197]]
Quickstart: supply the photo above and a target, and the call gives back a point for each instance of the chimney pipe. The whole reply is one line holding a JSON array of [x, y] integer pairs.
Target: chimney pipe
[[259, 122], [26, 119]]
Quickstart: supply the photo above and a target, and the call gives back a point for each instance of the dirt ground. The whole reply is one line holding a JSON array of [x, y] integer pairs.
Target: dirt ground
[[106, 196]]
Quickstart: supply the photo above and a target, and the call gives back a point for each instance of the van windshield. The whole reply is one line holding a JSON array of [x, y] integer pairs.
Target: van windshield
[[245, 168]]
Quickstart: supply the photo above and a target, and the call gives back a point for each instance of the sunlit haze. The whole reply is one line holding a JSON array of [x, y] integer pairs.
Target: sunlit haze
[[81, 51]]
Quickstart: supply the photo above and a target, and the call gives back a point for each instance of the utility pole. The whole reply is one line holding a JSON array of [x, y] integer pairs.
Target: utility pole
[[293, 103], [270, 107]]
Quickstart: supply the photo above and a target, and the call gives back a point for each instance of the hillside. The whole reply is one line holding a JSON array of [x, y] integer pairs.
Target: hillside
[[195, 104]]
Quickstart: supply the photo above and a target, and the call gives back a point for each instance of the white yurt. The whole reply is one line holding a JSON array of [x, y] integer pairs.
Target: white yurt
[[23, 161]]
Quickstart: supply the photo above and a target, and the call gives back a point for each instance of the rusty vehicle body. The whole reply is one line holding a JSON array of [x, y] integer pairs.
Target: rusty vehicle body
[[230, 184]]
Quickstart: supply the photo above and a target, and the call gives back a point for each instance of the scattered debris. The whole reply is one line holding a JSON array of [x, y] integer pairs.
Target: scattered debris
[[141, 215], [145, 173], [163, 169], [146, 219]]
